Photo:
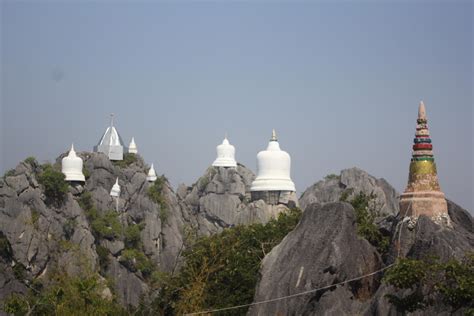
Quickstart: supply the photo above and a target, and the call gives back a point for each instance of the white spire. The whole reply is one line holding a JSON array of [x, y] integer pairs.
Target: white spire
[[421, 111], [151, 177], [111, 143], [115, 192], [132, 147], [71, 167], [225, 155], [273, 169]]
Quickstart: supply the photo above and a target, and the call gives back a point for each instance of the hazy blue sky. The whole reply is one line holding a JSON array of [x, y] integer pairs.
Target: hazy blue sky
[[340, 82]]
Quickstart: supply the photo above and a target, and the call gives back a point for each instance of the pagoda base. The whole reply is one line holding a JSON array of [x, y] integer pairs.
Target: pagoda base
[[287, 198], [430, 203]]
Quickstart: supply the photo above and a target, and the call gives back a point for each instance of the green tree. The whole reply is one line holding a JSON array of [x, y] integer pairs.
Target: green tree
[[214, 265], [366, 212], [428, 281], [65, 296], [55, 187], [155, 193]]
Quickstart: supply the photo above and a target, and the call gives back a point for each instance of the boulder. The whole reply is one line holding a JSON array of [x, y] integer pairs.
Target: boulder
[[322, 250], [349, 183]]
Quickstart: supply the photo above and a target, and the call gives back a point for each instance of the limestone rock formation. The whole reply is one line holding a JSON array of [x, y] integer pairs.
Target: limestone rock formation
[[427, 238], [349, 183], [322, 250], [221, 198], [44, 237], [325, 249]]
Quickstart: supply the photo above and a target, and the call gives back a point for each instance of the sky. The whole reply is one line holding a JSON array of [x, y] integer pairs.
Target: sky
[[339, 81]]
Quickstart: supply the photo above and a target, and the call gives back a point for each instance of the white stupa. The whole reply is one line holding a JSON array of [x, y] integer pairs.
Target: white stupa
[[71, 166], [115, 192], [225, 155], [273, 169], [151, 177], [111, 143], [132, 147]]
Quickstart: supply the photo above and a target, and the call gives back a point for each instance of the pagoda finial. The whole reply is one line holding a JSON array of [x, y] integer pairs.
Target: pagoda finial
[[72, 147], [274, 136], [225, 135], [421, 111], [111, 119]]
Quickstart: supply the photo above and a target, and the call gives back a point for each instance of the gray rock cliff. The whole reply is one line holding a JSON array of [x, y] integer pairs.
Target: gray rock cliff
[[43, 237], [221, 198], [350, 182]]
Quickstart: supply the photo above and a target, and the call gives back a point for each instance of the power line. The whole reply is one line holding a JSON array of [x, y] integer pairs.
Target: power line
[[290, 296], [309, 291]]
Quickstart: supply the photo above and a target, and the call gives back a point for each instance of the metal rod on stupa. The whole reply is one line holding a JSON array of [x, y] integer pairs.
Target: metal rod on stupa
[[423, 195]]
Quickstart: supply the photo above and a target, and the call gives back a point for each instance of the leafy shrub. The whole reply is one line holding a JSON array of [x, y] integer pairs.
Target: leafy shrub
[[86, 172], [429, 281], [5, 247], [128, 159], [9, 173], [19, 271], [366, 212], [155, 193], [85, 201], [215, 264], [136, 260], [132, 236], [103, 254], [332, 176], [55, 187], [31, 161], [35, 215], [69, 228], [105, 226], [65, 296]]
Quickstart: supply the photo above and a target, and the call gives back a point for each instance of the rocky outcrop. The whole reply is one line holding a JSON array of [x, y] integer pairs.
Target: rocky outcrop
[[426, 238], [324, 249], [221, 198], [347, 184], [43, 236]]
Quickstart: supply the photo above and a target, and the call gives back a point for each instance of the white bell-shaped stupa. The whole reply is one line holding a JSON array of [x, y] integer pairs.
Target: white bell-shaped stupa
[[151, 177], [111, 143], [132, 147], [115, 192], [225, 155], [273, 169], [71, 167]]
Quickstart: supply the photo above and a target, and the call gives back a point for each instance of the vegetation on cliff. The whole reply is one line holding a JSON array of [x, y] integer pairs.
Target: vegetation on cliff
[[366, 213], [429, 281], [220, 270]]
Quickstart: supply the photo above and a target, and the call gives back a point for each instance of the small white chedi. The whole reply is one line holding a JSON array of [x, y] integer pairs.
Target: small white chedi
[[225, 155], [273, 169], [111, 143], [115, 191], [71, 167], [132, 147], [151, 177]]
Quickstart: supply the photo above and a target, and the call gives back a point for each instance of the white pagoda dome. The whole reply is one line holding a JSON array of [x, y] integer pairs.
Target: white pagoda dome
[[111, 143], [115, 192], [132, 147], [71, 167], [225, 155], [151, 177], [273, 169]]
